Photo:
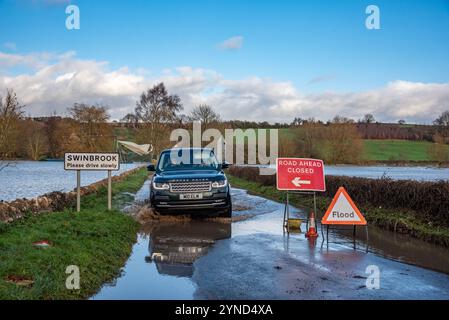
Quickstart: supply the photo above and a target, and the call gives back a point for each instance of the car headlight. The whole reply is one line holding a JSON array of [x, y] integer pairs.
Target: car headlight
[[219, 183], [161, 186]]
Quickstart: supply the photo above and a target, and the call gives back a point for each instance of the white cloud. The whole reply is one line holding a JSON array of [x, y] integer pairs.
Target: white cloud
[[54, 82], [233, 43], [33, 60]]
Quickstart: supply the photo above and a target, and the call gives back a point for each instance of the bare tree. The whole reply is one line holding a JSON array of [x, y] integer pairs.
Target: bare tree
[[131, 119], [91, 128], [368, 118], [205, 114], [156, 110], [342, 120], [36, 140], [333, 143], [342, 144], [443, 119], [297, 122], [10, 114]]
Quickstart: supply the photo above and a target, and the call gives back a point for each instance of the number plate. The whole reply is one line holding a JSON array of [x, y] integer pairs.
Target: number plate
[[191, 196]]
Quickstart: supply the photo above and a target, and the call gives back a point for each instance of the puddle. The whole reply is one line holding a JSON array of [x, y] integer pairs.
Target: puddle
[[142, 280], [161, 263]]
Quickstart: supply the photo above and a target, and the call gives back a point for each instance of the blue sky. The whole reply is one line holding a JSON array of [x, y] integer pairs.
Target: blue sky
[[317, 47]]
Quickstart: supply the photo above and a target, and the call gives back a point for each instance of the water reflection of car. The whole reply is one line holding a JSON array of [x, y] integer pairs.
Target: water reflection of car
[[174, 247], [190, 179]]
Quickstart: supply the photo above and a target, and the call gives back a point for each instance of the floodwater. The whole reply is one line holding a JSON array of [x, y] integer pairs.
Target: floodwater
[[396, 172], [28, 179], [253, 258]]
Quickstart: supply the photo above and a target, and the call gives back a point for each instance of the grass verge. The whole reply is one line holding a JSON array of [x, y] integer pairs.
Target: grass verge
[[404, 221], [96, 240]]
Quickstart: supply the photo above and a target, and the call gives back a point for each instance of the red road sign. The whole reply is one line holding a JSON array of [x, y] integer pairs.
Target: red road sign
[[300, 174]]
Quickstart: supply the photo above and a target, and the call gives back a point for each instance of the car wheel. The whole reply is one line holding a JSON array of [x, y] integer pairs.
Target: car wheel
[[227, 212]]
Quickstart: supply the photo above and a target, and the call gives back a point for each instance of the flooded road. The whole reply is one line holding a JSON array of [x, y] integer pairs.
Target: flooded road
[[252, 258]]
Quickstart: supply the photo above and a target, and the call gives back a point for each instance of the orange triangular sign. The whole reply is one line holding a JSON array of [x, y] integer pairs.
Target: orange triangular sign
[[342, 210]]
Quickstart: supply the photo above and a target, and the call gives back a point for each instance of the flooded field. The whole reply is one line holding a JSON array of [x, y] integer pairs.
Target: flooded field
[[28, 179], [397, 173], [393, 172], [252, 258]]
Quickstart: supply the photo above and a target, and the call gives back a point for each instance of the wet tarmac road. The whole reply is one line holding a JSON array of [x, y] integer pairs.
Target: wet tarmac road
[[252, 258]]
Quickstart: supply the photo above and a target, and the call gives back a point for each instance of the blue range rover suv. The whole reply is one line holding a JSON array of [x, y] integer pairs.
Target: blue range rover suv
[[188, 180]]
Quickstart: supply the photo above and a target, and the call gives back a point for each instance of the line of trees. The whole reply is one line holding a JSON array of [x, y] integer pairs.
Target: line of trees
[[87, 128]]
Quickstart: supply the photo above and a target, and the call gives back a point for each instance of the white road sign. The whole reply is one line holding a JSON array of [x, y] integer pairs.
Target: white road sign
[[343, 210], [91, 161]]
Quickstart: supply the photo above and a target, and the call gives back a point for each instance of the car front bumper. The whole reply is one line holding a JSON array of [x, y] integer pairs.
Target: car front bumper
[[218, 198]]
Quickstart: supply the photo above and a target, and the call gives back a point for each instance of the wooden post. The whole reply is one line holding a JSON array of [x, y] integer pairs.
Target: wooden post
[[109, 190], [78, 190]]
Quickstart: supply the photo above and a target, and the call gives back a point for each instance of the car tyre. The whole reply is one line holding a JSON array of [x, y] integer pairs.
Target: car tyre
[[227, 212]]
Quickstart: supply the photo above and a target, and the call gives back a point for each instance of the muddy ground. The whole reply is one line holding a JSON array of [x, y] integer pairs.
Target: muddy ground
[[251, 257]]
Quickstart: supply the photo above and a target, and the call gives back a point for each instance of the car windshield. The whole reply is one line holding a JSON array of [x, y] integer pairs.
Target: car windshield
[[188, 159]]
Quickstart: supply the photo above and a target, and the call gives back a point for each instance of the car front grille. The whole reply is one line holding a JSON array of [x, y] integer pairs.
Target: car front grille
[[190, 186]]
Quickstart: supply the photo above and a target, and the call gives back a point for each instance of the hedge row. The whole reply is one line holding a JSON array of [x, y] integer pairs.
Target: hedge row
[[429, 200]]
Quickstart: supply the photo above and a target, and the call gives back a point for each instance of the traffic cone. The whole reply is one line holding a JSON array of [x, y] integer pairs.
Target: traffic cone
[[311, 233]]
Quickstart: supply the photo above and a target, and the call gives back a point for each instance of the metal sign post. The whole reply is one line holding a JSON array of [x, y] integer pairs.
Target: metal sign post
[[343, 211], [105, 161], [286, 214], [109, 190], [300, 175], [287, 210], [78, 190]]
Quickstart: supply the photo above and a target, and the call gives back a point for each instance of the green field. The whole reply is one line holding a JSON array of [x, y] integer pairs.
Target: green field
[[396, 150]]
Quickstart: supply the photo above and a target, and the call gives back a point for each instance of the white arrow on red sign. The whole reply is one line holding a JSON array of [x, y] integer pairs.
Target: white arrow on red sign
[[298, 182]]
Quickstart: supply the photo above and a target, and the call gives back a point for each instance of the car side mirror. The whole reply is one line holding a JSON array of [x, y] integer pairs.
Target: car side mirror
[[225, 165], [151, 167]]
